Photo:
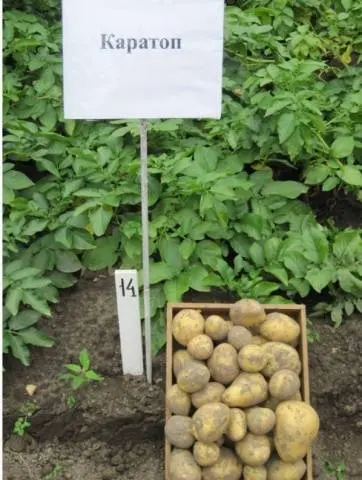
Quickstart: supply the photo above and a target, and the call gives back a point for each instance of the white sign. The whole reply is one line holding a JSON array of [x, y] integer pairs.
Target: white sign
[[129, 321], [142, 58]]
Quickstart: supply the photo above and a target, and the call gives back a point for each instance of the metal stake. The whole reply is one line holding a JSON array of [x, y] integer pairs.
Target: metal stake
[[145, 248]]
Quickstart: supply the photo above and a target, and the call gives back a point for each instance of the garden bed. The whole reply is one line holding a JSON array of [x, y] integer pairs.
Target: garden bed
[[115, 431]]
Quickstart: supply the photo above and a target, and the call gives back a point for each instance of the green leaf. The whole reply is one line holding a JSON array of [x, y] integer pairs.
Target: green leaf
[[62, 280], [8, 195], [44, 260], [238, 264], [317, 174], [351, 175], [103, 255], [315, 244], [19, 349], [349, 282], [263, 289], [241, 243], [287, 189], [32, 283], [176, 287], [346, 244], [36, 337], [286, 126], [100, 219], [83, 241], [279, 272], [342, 147], [91, 375], [187, 248], [301, 286], [330, 184], [255, 226], [271, 248], [16, 180], [25, 273], [13, 299], [69, 126], [320, 278], [349, 308], [206, 158], [63, 236], [37, 303], [73, 367], [198, 278], [67, 261], [169, 249], [208, 252], [77, 382], [84, 359], [337, 315], [160, 271], [257, 254], [24, 319], [296, 263], [34, 226]]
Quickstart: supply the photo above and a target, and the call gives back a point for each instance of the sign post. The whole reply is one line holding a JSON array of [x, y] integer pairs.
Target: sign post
[[144, 59]]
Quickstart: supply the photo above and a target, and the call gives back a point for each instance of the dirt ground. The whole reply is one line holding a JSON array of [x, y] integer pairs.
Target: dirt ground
[[115, 431]]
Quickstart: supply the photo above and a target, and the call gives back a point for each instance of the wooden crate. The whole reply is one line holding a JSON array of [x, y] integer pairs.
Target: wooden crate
[[295, 311]]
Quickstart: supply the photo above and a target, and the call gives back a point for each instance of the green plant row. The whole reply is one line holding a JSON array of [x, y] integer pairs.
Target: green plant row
[[227, 198]]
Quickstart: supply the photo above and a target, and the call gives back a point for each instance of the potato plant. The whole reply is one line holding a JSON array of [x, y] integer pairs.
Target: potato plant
[[236, 407]]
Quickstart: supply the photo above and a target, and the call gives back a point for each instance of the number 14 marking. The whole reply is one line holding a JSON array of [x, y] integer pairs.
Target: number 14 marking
[[129, 288]]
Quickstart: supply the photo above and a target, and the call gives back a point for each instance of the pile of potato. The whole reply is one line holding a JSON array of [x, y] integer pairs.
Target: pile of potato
[[237, 410]]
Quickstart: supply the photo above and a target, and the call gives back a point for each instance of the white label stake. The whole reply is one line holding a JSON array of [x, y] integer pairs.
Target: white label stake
[[129, 321]]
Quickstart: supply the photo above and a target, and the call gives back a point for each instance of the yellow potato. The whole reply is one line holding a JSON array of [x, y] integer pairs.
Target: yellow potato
[[260, 420], [279, 470], [239, 336], [216, 328], [193, 377], [206, 454], [254, 473], [186, 325], [254, 450], [237, 425], [223, 364], [179, 361], [284, 384], [200, 347], [280, 357], [258, 340], [297, 425], [178, 431], [248, 313], [210, 422], [183, 466], [178, 401], [279, 327], [247, 390], [227, 467], [252, 358], [212, 392]]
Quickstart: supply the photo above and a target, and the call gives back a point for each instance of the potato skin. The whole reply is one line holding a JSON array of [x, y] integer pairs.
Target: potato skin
[[279, 470], [279, 327], [183, 466], [180, 359], [239, 336], [252, 359], [284, 384], [186, 325], [178, 401], [193, 377], [254, 450], [212, 392], [258, 340], [280, 357], [260, 420], [227, 467], [216, 328], [247, 390], [237, 425], [223, 364], [254, 473], [178, 431], [200, 347], [206, 454], [297, 425], [248, 313], [210, 422]]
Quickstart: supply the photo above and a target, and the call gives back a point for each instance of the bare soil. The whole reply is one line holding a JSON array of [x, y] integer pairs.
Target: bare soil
[[115, 431]]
